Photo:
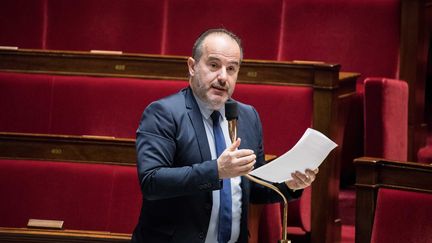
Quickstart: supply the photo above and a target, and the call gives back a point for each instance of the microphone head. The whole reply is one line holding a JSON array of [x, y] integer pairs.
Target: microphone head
[[231, 112]]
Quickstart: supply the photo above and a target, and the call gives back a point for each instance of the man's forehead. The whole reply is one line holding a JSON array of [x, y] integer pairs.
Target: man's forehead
[[221, 46]]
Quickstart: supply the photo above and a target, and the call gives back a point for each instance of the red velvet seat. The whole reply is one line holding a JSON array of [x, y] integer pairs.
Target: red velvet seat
[[277, 110], [340, 32], [25, 99], [130, 26], [281, 132], [362, 36], [402, 216], [386, 118], [86, 196], [104, 106], [77, 105], [257, 22], [424, 155], [22, 23], [385, 124]]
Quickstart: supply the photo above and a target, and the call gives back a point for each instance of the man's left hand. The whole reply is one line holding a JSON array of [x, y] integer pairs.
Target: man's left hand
[[301, 180]]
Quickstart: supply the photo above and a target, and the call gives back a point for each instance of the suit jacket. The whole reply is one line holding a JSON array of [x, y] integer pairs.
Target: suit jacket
[[177, 175]]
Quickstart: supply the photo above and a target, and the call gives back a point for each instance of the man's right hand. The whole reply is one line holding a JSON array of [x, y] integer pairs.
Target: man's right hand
[[235, 162]]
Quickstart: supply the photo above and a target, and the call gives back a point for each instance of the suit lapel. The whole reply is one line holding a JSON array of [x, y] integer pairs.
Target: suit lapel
[[196, 119]]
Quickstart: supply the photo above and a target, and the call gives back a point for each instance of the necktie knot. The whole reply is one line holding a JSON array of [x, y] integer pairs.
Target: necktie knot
[[215, 117]]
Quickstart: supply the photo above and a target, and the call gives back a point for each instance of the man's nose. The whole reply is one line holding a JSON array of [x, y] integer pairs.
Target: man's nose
[[222, 74]]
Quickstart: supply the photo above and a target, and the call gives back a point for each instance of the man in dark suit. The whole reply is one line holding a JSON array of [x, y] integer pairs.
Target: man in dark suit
[[184, 171]]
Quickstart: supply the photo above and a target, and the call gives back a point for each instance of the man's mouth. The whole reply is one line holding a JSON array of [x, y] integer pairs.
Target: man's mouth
[[220, 88]]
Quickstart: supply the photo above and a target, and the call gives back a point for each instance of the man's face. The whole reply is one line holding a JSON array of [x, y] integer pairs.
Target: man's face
[[214, 76]]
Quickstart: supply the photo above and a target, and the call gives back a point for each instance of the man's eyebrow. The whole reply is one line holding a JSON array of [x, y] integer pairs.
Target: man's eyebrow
[[235, 63], [210, 58], [213, 58]]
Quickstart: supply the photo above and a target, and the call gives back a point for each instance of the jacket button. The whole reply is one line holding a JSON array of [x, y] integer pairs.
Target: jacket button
[[201, 235]]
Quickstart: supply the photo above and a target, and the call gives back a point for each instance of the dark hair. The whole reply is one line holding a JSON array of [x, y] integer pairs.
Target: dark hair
[[197, 47]]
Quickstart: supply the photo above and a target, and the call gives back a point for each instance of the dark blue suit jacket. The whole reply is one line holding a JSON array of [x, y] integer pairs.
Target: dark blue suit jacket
[[177, 174]]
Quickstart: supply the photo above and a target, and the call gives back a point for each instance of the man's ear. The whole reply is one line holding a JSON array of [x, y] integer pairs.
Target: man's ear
[[191, 66]]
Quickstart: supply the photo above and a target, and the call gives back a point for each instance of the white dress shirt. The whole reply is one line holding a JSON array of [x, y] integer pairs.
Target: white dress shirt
[[236, 190]]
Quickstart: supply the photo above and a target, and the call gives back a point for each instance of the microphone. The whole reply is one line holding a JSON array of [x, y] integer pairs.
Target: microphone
[[231, 114]]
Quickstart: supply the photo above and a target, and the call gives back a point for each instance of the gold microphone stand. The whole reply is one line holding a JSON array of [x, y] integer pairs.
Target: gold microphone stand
[[232, 128]]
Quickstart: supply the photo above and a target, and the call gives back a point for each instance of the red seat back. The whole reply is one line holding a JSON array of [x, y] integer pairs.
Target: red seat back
[[257, 22], [362, 36], [85, 196], [386, 118], [23, 23], [402, 216], [130, 25]]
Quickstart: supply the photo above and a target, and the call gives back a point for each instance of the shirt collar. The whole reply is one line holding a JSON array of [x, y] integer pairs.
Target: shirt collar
[[205, 110]]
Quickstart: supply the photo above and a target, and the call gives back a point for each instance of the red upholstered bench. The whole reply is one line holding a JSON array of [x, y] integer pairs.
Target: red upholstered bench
[[259, 25], [134, 26], [22, 24], [85, 196], [77, 105]]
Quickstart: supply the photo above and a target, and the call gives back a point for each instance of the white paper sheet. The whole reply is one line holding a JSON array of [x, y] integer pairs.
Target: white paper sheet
[[309, 152]]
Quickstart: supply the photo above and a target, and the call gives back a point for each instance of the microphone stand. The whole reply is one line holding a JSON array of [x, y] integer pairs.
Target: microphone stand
[[232, 128]]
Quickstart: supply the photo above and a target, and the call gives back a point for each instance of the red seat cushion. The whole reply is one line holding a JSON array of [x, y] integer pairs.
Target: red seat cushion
[[402, 216]]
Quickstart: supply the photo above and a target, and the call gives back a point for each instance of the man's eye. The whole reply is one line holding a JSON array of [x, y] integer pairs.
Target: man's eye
[[232, 69], [213, 65]]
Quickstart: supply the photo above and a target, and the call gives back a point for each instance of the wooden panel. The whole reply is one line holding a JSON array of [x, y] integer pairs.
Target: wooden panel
[[375, 173], [153, 66], [89, 149], [9, 235]]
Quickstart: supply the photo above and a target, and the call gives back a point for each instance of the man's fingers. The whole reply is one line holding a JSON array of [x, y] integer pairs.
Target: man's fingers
[[246, 168], [301, 178], [310, 174], [242, 154], [234, 145]]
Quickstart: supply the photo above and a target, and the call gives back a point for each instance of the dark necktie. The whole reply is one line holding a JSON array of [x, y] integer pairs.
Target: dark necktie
[[225, 211]]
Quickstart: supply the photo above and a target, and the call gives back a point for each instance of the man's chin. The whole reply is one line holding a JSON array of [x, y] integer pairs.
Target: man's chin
[[217, 104]]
